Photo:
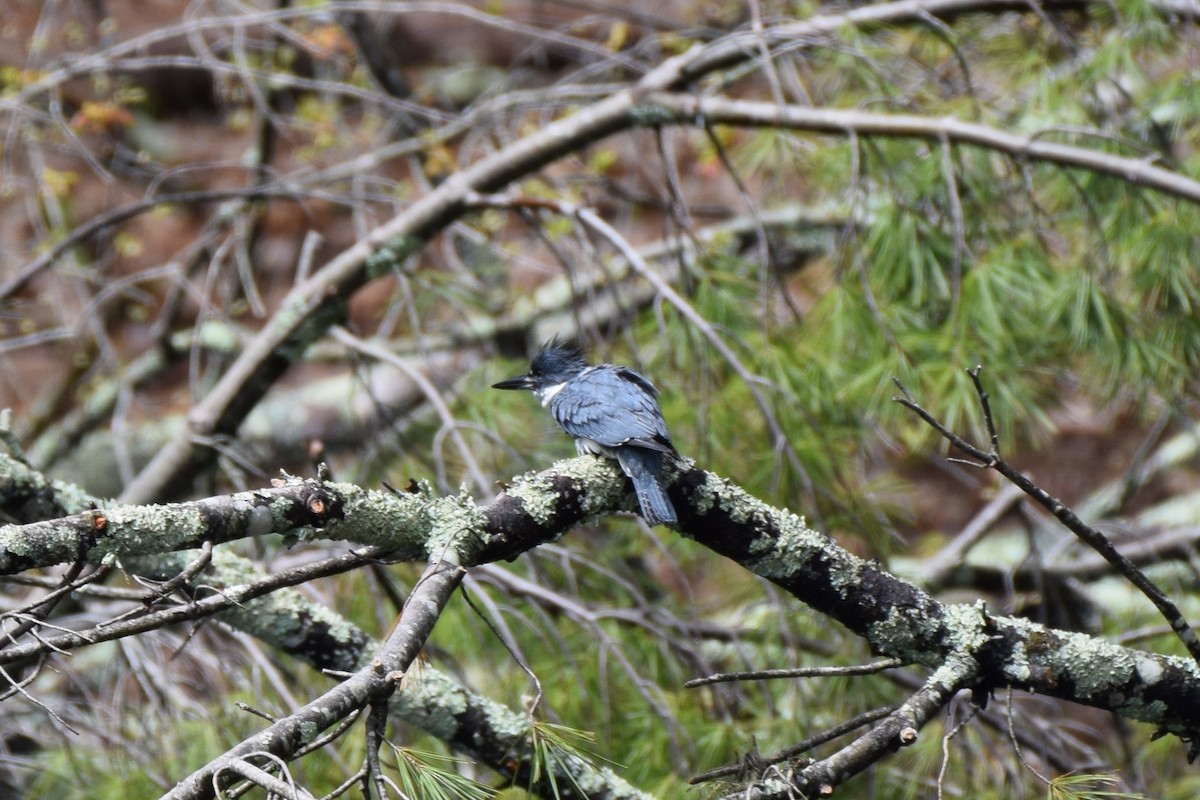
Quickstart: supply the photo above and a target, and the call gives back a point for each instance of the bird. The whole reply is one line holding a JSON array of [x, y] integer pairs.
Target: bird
[[610, 411]]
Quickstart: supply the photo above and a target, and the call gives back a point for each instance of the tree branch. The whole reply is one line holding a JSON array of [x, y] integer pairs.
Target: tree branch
[[1089, 535], [249, 600], [685, 109], [372, 684], [896, 618], [898, 729]]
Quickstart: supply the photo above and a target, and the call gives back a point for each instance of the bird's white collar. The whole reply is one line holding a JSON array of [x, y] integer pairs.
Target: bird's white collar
[[550, 392]]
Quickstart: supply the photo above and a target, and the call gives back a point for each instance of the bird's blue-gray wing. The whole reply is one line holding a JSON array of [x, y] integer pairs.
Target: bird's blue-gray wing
[[614, 407]]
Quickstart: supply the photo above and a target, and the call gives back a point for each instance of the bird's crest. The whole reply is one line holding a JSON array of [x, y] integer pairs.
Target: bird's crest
[[556, 357]]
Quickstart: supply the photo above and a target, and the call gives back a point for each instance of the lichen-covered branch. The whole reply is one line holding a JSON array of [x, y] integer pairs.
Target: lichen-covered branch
[[435, 702], [340, 511], [27, 495], [251, 601], [895, 617], [898, 619]]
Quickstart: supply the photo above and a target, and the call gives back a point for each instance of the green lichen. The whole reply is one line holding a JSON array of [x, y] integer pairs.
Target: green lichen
[[1135, 708], [11, 541], [1148, 669], [1093, 665], [218, 336], [456, 528], [966, 624], [434, 703], [134, 530], [290, 314], [704, 499], [742, 507], [1018, 668], [18, 478], [70, 497], [845, 574], [600, 480], [281, 618], [397, 521], [537, 496], [651, 116], [389, 257], [232, 569], [795, 544], [603, 482], [896, 635], [309, 731], [503, 721]]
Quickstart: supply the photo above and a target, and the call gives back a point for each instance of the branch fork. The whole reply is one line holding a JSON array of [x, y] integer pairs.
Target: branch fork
[[992, 459]]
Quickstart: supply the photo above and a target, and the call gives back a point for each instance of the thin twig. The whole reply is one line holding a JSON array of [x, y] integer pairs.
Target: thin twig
[[199, 609], [941, 778], [1090, 536], [798, 672], [866, 718], [532, 705]]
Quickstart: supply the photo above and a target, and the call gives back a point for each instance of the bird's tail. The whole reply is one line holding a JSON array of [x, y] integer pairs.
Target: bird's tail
[[645, 469]]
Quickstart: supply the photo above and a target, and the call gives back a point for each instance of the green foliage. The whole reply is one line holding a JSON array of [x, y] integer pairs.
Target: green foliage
[[1088, 787], [67, 774], [137, 749], [553, 750], [431, 776]]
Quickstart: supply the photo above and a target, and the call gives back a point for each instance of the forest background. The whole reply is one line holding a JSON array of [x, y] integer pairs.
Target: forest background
[[246, 237]]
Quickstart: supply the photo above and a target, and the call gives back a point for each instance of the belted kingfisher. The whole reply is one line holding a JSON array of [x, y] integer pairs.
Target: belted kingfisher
[[610, 411]]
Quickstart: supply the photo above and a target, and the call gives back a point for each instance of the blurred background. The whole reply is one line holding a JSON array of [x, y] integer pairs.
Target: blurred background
[[171, 171]]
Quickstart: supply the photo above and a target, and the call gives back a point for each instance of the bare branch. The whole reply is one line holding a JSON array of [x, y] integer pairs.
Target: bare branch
[[1088, 534], [685, 108], [898, 729], [373, 683], [798, 672]]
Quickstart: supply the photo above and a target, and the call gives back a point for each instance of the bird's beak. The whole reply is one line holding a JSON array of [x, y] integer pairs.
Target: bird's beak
[[519, 382]]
